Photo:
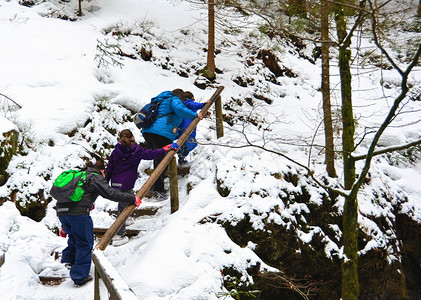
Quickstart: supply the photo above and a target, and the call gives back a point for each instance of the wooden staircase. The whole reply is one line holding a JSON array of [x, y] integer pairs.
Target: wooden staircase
[[106, 234]]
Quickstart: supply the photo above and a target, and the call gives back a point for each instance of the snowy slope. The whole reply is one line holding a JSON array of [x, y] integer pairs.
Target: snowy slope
[[49, 68]]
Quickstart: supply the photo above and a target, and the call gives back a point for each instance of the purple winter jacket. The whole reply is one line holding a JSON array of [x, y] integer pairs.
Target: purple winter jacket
[[122, 165]]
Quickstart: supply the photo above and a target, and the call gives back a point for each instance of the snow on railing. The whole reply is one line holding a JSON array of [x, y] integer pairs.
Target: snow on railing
[[116, 286]]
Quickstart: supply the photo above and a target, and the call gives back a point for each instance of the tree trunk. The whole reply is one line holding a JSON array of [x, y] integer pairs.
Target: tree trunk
[[209, 72], [327, 110], [350, 284], [419, 9], [79, 13], [297, 8]]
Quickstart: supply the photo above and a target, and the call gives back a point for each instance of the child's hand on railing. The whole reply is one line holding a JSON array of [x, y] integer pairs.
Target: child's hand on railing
[[138, 201]]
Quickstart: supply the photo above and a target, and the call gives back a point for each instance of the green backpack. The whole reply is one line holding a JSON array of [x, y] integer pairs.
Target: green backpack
[[68, 186]]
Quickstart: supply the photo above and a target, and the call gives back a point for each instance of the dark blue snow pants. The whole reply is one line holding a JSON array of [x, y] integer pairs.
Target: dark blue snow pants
[[121, 206], [80, 232]]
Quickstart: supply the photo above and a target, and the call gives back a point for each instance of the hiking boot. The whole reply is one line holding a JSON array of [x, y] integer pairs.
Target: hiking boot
[[159, 196], [119, 240], [83, 281], [182, 161], [129, 221], [149, 194]]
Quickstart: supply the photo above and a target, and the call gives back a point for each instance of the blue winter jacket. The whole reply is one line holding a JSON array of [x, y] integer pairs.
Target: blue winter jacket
[[167, 125], [191, 140]]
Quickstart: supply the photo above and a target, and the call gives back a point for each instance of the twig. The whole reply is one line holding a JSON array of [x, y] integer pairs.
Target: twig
[[8, 98]]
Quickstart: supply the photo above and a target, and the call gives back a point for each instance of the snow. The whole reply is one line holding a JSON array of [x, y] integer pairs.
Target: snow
[[6, 126], [118, 283], [49, 68]]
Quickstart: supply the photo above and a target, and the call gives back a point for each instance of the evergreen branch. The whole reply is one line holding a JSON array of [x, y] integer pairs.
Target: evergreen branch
[[106, 57]]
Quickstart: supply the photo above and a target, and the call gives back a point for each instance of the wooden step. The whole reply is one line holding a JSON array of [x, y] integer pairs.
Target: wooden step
[[49, 280], [128, 232], [181, 170], [144, 211]]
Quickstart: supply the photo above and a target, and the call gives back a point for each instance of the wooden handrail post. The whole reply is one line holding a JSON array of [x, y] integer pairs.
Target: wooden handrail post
[[117, 288], [109, 234], [172, 170], [96, 285], [219, 119]]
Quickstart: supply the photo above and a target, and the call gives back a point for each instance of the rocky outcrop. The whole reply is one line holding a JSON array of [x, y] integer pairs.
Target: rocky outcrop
[[409, 233], [8, 148], [307, 265], [392, 271]]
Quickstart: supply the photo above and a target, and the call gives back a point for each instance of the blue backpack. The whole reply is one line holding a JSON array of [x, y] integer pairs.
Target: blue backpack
[[148, 114]]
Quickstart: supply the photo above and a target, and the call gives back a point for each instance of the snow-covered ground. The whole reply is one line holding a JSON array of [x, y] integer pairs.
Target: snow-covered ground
[[49, 68]]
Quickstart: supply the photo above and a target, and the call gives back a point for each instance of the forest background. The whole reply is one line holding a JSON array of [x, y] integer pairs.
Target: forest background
[[328, 90]]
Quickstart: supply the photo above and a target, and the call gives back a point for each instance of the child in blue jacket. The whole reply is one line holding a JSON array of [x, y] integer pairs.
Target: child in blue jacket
[[191, 142]]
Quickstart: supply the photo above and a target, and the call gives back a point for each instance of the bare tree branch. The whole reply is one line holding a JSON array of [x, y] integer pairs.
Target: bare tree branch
[[359, 20], [389, 149], [10, 99], [393, 109]]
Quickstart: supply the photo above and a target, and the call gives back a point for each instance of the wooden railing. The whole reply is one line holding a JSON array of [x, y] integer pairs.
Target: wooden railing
[[116, 286]]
